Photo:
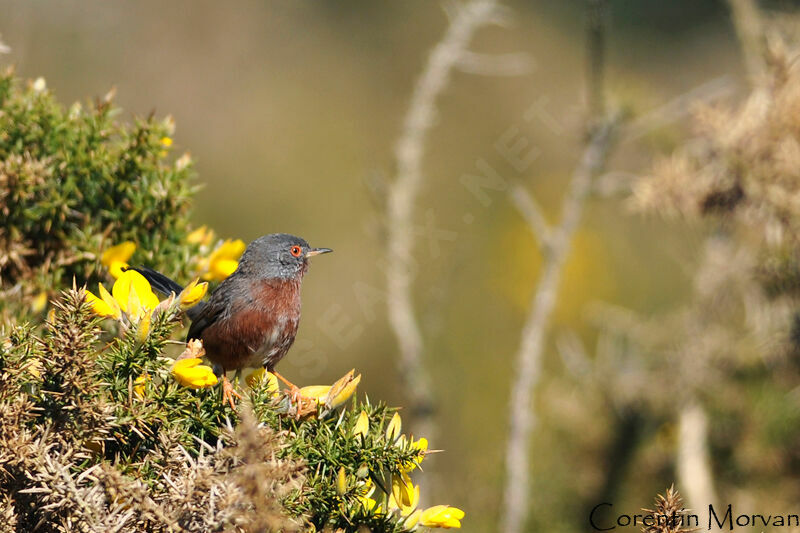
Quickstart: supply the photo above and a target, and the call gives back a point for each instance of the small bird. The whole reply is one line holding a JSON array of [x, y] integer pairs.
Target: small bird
[[251, 318]]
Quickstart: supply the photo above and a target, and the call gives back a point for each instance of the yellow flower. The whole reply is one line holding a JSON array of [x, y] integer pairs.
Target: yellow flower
[[116, 257], [166, 141], [342, 390], [106, 305], [224, 260], [442, 516], [421, 446], [394, 427], [221, 269], [368, 487], [201, 235], [410, 523], [192, 294], [39, 302], [272, 385], [366, 499], [341, 482], [362, 425], [190, 373], [315, 392], [332, 396], [139, 383], [256, 376], [134, 295], [143, 329], [369, 504], [405, 495]]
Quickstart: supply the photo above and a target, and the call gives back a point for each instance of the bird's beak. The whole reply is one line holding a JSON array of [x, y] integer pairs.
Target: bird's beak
[[316, 251]]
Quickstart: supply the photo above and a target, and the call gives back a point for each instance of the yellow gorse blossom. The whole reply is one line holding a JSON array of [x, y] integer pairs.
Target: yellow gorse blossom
[[405, 495], [166, 141], [134, 295], [105, 305], [190, 373], [143, 328], [254, 377], [192, 294], [139, 384], [131, 294], [442, 516], [201, 235], [332, 396], [315, 392], [412, 520], [362, 425], [39, 302], [224, 260], [369, 504], [116, 257], [342, 390], [394, 427], [421, 446]]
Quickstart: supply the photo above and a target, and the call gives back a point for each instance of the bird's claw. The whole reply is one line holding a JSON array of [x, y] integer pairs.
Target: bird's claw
[[228, 392]]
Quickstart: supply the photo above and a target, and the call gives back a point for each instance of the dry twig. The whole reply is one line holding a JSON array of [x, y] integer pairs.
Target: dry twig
[[449, 54], [529, 356]]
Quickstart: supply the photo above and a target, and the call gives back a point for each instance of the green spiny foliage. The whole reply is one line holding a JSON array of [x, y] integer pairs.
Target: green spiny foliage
[[75, 433], [75, 181]]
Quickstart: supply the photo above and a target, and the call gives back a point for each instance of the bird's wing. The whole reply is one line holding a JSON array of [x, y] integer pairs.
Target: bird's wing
[[205, 314]]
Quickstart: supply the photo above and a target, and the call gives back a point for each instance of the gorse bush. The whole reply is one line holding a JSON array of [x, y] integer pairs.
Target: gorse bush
[[74, 181], [101, 428], [734, 348]]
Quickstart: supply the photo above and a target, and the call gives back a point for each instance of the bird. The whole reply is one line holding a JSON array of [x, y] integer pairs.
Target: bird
[[251, 318]]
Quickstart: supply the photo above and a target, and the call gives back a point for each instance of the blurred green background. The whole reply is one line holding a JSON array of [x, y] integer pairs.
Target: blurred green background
[[292, 109]]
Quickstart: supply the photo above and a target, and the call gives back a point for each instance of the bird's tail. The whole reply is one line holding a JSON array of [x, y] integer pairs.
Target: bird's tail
[[157, 280]]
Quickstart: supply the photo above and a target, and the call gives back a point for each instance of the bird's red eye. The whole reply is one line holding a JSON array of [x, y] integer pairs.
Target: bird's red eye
[[296, 251]]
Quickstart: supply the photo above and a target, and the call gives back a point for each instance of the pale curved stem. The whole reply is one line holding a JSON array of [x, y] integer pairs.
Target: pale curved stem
[[403, 192]]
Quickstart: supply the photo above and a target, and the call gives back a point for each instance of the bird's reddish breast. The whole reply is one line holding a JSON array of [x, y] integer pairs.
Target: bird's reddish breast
[[258, 330]]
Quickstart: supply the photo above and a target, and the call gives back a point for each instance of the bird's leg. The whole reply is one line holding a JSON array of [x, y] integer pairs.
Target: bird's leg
[[228, 392], [294, 391], [286, 381]]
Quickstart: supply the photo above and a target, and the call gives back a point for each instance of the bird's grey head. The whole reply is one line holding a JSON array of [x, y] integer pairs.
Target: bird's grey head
[[278, 255]]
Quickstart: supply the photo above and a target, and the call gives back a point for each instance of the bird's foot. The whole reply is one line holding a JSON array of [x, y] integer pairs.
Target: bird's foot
[[228, 392], [303, 404]]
